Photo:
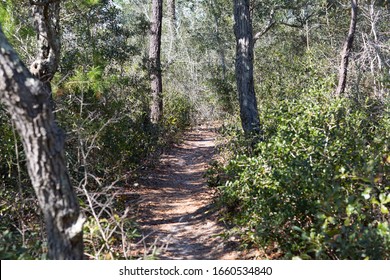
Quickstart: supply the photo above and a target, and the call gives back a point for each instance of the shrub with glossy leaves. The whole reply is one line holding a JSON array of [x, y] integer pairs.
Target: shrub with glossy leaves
[[318, 185]]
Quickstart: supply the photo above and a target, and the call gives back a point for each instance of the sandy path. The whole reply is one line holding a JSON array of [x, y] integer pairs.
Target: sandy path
[[176, 214]]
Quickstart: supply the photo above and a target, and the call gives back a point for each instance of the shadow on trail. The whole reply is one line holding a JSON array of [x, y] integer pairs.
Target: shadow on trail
[[199, 215], [177, 214]]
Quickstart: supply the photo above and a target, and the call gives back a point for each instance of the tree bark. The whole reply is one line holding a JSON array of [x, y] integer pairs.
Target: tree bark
[[156, 109], [46, 21], [171, 12], [244, 68], [172, 15], [346, 52], [27, 101]]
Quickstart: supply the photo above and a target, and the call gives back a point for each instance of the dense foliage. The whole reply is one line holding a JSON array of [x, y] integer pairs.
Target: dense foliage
[[317, 187], [101, 96], [314, 186]]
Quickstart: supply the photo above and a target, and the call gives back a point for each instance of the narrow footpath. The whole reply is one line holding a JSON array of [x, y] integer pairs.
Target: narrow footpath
[[176, 213]]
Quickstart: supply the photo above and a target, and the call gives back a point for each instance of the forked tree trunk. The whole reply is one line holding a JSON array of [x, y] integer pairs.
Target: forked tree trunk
[[244, 68], [27, 101], [346, 52], [156, 109]]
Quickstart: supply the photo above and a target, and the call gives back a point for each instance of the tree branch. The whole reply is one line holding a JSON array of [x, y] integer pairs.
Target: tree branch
[[271, 23]]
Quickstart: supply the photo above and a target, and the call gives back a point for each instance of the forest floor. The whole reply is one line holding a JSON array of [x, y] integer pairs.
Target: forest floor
[[176, 212]]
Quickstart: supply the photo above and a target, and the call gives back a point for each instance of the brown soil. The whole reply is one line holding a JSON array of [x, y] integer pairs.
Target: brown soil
[[176, 212]]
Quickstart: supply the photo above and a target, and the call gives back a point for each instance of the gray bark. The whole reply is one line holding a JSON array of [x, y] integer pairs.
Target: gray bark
[[46, 21], [347, 48], [156, 109], [172, 15], [244, 68], [27, 101], [171, 12]]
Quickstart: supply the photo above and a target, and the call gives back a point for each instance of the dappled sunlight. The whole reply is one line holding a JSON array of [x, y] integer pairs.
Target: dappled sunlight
[[177, 213]]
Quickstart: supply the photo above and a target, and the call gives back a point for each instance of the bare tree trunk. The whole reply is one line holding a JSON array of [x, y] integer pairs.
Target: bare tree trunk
[[172, 30], [343, 70], [172, 15], [46, 21], [27, 101], [244, 67], [156, 109], [376, 56]]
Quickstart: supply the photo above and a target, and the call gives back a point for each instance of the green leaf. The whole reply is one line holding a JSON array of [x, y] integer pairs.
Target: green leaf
[[92, 2], [384, 199], [350, 209], [384, 209], [297, 228], [384, 228], [331, 220], [374, 201], [366, 193]]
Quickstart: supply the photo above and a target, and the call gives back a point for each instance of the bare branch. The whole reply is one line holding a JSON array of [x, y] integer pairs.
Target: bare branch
[[271, 23]]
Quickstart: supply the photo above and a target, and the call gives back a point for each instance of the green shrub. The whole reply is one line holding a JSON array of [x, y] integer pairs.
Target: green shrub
[[108, 137], [317, 186], [177, 111], [12, 247]]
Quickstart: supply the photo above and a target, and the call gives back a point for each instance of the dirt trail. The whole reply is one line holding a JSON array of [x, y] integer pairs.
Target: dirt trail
[[176, 213]]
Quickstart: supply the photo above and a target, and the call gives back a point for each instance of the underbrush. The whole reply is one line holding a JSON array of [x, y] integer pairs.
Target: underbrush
[[108, 138], [318, 186]]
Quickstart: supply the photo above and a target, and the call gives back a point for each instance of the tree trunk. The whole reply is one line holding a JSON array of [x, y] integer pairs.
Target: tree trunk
[[172, 30], [172, 15], [45, 14], [27, 102], [46, 21], [244, 68], [343, 70], [156, 109]]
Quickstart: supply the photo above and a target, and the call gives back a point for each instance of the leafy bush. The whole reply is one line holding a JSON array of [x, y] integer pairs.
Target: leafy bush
[[12, 247], [177, 111], [318, 185], [108, 136]]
